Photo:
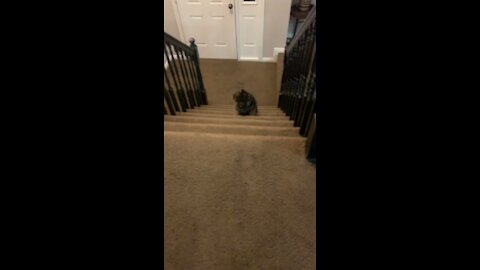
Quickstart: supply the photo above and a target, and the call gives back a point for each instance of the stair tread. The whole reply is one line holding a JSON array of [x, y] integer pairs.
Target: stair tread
[[233, 126], [233, 105], [232, 121], [235, 129], [237, 136], [257, 117], [233, 109], [233, 112]]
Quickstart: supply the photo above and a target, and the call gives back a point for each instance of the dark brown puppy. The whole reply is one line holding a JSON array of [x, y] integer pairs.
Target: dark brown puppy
[[246, 104]]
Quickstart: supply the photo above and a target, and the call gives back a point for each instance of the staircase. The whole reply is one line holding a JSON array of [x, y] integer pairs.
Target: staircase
[[271, 121], [239, 193]]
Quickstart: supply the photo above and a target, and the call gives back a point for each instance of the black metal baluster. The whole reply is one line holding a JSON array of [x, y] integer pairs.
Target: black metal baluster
[[169, 100], [178, 66], [309, 95], [296, 101], [297, 97], [290, 86], [171, 92], [281, 100], [310, 39], [197, 70], [309, 63], [181, 88], [188, 88], [297, 51], [302, 100], [190, 78], [173, 72], [311, 112], [307, 43], [198, 91], [290, 100]]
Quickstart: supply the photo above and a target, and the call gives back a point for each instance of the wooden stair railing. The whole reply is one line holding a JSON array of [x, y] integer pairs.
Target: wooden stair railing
[[183, 83], [298, 90]]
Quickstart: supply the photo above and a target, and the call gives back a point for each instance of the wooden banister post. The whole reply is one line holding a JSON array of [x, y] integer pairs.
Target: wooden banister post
[[199, 73]]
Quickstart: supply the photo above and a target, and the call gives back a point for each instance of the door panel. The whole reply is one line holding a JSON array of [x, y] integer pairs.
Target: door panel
[[212, 24], [250, 16]]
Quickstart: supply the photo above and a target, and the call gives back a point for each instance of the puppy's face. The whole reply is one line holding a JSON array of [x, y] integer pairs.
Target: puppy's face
[[241, 97]]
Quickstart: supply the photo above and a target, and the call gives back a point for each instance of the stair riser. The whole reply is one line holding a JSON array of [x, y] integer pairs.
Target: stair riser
[[238, 130], [261, 123]]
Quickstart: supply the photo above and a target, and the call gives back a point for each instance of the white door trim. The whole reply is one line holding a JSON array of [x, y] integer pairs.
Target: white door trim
[[261, 16], [178, 20]]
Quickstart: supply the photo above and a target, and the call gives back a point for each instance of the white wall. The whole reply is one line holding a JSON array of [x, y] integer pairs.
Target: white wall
[[277, 15], [169, 22]]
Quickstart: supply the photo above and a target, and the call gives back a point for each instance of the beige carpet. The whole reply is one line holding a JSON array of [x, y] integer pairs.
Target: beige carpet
[[239, 193]]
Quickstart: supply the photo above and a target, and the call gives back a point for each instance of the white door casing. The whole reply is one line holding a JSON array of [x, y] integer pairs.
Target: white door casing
[[250, 20], [212, 24]]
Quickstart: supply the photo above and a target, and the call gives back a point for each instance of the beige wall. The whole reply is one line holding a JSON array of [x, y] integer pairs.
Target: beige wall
[[277, 15], [169, 20]]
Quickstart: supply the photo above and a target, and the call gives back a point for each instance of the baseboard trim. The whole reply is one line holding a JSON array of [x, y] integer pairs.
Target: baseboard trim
[[276, 51], [251, 59], [257, 59], [269, 60]]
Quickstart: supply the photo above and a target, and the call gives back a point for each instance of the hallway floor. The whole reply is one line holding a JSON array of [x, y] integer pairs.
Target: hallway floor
[[239, 192]]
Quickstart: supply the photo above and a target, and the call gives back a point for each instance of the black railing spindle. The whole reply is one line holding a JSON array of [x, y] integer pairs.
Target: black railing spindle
[[298, 90], [172, 93], [196, 59], [182, 76]]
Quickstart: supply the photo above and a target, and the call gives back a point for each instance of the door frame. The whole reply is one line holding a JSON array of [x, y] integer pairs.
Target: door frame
[[237, 5], [178, 20]]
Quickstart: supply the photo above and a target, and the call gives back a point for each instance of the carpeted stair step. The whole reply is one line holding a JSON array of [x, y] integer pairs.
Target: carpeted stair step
[[233, 112], [228, 121], [238, 202], [232, 108], [203, 114], [236, 136], [231, 129], [266, 108]]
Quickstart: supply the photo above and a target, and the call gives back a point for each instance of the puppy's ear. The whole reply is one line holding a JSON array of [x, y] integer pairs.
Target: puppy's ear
[[243, 90]]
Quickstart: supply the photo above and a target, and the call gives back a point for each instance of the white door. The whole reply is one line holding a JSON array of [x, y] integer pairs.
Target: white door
[[212, 24]]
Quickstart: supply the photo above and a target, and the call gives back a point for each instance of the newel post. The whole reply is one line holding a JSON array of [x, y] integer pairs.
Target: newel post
[[197, 67]]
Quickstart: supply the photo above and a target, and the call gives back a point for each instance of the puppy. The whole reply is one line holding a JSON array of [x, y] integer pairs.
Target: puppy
[[246, 104]]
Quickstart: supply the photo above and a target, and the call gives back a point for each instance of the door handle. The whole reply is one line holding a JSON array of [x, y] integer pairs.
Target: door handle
[[230, 6]]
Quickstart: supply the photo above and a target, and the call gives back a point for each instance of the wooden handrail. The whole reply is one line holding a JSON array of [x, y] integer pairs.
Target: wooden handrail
[[175, 42], [310, 18]]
